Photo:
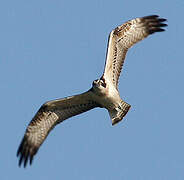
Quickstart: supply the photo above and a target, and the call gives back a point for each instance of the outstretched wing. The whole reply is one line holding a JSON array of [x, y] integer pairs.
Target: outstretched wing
[[125, 36], [47, 117]]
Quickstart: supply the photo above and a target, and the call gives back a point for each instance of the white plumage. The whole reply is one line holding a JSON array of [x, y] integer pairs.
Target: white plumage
[[104, 92]]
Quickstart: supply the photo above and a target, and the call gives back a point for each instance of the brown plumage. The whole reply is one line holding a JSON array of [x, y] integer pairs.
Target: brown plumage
[[125, 36], [47, 117], [104, 92]]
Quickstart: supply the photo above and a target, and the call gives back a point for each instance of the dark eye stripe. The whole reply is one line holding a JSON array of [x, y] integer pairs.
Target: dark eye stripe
[[103, 81]]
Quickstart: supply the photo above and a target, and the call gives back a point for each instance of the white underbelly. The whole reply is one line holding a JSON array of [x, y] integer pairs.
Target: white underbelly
[[109, 100]]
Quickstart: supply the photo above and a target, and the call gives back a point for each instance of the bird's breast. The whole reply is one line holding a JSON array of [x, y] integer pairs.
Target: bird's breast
[[107, 98]]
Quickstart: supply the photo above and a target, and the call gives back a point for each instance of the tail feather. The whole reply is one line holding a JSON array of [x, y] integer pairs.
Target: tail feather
[[118, 113]]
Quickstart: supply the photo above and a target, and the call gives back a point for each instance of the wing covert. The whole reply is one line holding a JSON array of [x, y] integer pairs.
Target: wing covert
[[125, 36], [47, 117]]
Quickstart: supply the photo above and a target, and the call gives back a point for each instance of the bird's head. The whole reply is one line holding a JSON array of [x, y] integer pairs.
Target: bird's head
[[99, 86]]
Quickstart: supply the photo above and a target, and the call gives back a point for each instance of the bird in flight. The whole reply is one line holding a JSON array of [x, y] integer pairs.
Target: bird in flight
[[104, 92]]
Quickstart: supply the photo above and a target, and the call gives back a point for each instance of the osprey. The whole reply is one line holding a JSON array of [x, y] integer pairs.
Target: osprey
[[104, 92]]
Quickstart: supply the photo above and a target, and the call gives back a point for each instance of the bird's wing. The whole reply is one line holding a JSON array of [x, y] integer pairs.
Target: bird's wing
[[47, 117], [125, 36]]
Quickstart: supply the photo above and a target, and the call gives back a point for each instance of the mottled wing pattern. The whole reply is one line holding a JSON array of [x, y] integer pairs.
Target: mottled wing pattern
[[49, 115], [125, 36]]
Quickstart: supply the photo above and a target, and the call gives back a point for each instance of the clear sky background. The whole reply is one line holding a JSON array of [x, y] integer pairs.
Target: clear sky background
[[53, 49]]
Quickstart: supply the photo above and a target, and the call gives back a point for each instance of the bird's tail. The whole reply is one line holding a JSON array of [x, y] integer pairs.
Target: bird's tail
[[118, 113]]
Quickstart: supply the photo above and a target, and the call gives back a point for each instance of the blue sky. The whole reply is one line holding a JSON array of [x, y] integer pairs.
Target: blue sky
[[53, 49]]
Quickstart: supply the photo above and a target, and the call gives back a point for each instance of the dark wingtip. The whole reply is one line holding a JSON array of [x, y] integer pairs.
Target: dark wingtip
[[31, 160], [25, 153], [24, 160], [18, 152], [155, 24], [155, 17], [151, 31], [162, 19], [163, 24], [20, 160], [151, 16]]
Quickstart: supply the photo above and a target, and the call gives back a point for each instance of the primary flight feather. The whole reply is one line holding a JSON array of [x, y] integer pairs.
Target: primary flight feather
[[104, 92]]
